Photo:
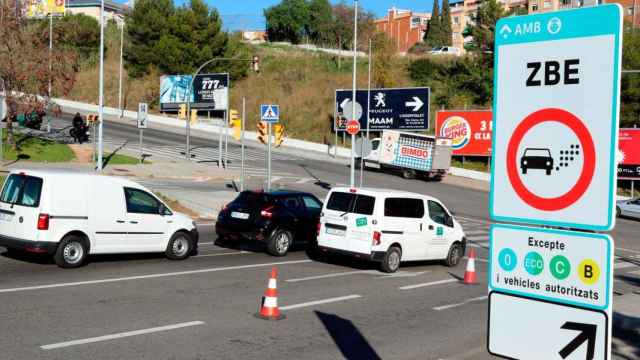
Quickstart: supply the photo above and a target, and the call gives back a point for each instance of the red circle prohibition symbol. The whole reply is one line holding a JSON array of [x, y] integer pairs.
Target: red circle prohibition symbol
[[588, 167]]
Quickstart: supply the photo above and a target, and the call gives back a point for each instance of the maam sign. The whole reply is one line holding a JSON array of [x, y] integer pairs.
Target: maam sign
[[556, 108]]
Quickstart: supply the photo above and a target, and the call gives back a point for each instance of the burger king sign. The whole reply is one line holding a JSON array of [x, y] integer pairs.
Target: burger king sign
[[469, 131]]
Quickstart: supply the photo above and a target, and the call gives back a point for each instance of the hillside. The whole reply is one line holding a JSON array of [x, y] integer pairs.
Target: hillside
[[302, 82]]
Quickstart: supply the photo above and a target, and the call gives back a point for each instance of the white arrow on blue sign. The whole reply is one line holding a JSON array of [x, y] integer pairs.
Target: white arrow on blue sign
[[270, 113]]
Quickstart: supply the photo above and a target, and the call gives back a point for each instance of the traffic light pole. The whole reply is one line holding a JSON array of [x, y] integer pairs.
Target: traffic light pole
[[352, 177], [269, 157], [242, 145]]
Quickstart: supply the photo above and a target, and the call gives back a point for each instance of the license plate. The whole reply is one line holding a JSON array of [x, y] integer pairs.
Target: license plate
[[6, 217], [239, 215], [336, 232]]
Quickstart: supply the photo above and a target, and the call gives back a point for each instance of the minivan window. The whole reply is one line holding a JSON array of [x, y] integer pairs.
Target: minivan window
[[353, 203], [403, 207], [437, 213], [22, 190], [141, 202]]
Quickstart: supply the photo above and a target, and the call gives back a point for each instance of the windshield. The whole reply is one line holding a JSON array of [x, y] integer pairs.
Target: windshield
[[537, 152]]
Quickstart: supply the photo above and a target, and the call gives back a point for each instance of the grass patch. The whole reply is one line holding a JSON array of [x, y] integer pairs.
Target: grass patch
[[37, 149], [2, 179], [119, 159], [471, 165]]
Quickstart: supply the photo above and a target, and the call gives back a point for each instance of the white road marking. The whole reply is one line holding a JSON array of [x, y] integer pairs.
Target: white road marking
[[276, 178], [471, 233], [635, 272], [319, 302], [223, 254], [629, 250], [444, 307], [150, 276], [439, 282], [303, 180], [120, 335], [623, 265], [325, 276]]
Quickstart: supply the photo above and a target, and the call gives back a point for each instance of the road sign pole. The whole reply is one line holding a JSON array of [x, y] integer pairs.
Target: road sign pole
[[50, 53], [242, 145], [220, 141], [368, 117], [141, 153], [353, 101], [226, 139], [120, 77], [101, 86], [269, 157]]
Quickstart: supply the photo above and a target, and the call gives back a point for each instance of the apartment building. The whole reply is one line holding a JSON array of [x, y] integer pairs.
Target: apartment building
[[404, 27]]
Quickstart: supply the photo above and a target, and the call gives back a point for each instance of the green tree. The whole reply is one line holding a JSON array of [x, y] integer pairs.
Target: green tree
[[79, 33], [287, 21], [630, 86], [384, 51], [445, 23], [433, 35], [483, 27], [320, 21], [342, 29]]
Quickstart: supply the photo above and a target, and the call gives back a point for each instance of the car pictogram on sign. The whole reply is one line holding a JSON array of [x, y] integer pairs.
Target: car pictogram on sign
[[536, 158]]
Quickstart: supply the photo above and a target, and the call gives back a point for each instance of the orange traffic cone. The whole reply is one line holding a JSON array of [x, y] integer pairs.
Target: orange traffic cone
[[269, 307], [470, 273]]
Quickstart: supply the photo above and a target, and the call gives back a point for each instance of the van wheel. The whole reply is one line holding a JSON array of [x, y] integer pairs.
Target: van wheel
[[391, 261], [454, 255], [179, 247], [408, 174], [71, 252], [279, 242]]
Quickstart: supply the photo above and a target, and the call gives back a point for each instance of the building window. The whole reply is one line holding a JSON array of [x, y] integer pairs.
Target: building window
[[456, 20], [630, 11], [534, 7], [547, 4], [415, 21]]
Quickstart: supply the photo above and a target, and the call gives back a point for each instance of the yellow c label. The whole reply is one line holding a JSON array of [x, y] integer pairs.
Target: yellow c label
[[589, 272]]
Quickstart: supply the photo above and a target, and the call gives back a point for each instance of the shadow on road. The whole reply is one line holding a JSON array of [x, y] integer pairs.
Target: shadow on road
[[626, 332], [318, 181], [351, 343]]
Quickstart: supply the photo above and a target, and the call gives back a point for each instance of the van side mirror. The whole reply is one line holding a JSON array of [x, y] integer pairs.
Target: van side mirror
[[164, 211]]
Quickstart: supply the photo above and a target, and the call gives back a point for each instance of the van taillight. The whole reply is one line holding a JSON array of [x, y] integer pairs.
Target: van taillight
[[376, 238], [318, 226], [267, 213], [43, 222]]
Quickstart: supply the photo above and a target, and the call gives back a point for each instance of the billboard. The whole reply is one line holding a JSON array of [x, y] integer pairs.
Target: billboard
[[210, 92], [629, 148], [389, 109], [42, 8], [470, 131]]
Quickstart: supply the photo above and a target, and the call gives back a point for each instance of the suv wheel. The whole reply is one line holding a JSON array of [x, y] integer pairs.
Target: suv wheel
[[391, 261], [180, 247], [454, 255], [71, 252], [279, 242], [618, 211]]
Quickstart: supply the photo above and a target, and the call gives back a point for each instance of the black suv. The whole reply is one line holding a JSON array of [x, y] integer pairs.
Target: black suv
[[278, 219]]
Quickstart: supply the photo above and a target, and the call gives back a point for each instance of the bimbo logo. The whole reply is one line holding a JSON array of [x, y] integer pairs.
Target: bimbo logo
[[413, 152], [458, 130]]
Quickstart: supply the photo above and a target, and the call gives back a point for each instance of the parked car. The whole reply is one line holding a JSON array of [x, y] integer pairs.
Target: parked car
[[279, 219], [445, 50], [629, 208], [389, 226], [534, 158], [72, 215]]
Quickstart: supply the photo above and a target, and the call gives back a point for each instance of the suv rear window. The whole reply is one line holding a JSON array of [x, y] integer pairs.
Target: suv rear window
[[250, 197], [22, 190], [353, 203]]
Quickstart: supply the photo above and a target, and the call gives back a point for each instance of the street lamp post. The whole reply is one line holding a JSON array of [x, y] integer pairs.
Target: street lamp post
[[353, 102], [120, 78], [101, 95]]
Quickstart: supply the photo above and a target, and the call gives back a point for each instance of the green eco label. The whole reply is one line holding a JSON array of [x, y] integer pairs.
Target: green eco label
[[440, 231], [361, 222]]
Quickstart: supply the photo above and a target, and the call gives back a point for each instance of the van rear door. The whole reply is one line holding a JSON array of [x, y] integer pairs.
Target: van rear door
[[21, 205], [347, 222]]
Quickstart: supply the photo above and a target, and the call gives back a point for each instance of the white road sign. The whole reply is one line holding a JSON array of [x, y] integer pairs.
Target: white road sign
[[143, 115], [564, 266], [527, 329], [556, 107]]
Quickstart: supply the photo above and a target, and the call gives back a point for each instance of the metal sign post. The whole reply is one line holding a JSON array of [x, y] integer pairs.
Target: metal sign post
[[352, 174], [269, 114], [143, 118], [226, 139], [269, 157], [101, 91], [220, 140], [242, 145]]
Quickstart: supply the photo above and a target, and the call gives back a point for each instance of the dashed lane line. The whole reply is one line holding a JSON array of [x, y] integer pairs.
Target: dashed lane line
[[444, 307], [326, 276], [439, 282], [120, 335], [320, 302], [149, 276]]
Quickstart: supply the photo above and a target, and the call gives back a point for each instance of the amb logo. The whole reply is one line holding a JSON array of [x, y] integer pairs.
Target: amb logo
[[458, 130]]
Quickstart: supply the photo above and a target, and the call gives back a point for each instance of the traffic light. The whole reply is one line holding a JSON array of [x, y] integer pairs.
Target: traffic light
[[194, 116], [236, 124], [262, 132], [182, 113], [278, 130]]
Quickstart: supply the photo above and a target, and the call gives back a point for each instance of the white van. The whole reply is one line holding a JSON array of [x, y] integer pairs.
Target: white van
[[389, 226], [71, 215]]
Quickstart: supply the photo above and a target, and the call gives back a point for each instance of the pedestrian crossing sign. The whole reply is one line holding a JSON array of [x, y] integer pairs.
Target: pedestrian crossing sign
[[270, 113]]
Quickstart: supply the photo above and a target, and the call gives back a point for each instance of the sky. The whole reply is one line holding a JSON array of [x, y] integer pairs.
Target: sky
[[248, 14]]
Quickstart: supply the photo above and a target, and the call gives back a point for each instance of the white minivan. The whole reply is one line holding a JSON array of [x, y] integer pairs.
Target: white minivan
[[389, 226], [71, 215]]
